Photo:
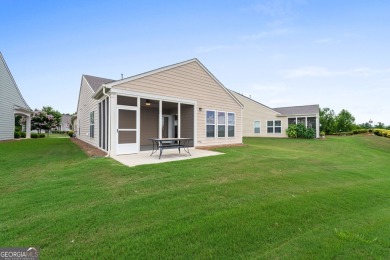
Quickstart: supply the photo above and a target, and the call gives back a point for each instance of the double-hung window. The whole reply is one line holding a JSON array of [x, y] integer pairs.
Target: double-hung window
[[221, 124], [210, 123], [92, 124], [256, 127], [270, 127], [274, 127], [278, 126], [231, 124]]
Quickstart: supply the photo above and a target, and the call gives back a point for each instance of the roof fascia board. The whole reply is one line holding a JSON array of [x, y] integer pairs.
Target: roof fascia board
[[13, 80]]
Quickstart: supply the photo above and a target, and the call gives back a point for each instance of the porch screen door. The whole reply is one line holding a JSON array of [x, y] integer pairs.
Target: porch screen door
[[127, 131]]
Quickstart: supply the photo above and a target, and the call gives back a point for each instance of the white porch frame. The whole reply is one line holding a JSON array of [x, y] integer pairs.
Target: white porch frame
[[114, 114]]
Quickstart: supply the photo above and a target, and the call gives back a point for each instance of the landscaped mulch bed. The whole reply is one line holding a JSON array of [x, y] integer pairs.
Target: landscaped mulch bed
[[90, 150]]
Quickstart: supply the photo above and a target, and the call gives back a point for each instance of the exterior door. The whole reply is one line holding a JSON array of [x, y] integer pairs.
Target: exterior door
[[127, 131]]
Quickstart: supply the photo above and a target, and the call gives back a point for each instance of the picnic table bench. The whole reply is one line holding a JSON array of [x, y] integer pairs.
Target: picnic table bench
[[159, 144]]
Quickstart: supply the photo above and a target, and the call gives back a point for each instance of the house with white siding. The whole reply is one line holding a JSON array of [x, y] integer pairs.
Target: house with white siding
[[12, 103], [183, 100], [260, 120]]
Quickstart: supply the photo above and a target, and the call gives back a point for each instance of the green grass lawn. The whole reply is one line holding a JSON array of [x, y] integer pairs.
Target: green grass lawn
[[51, 135], [274, 198]]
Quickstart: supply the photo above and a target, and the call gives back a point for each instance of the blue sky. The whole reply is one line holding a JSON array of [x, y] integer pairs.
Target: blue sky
[[281, 52]]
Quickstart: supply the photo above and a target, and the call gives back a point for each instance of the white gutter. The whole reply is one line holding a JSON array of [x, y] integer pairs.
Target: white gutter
[[109, 123]]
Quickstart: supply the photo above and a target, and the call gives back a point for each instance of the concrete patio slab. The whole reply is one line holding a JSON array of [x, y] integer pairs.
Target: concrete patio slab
[[169, 155]]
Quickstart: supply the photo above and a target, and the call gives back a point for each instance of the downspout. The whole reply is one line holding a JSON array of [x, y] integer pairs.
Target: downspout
[[109, 123]]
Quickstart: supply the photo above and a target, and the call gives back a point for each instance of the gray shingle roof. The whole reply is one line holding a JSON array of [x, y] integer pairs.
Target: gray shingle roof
[[96, 82], [298, 110]]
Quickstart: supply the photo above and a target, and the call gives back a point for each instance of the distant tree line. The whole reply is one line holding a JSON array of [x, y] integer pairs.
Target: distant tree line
[[344, 121]]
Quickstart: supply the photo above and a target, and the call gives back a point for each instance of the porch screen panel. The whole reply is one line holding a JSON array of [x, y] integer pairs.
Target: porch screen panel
[[302, 120], [108, 120], [103, 136], [127, 119], [126, 101], [127, 137], [311, 123], [100, 124], [187, 122], [292, 121]]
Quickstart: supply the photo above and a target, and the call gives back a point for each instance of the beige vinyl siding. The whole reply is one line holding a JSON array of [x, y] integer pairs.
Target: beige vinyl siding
[[9, 97], [191, 82], [254, 111], [85, 106]]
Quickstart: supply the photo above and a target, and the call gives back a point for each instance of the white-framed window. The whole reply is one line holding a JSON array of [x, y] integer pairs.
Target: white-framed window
[[270, 127], [221, 124], [231, 124], [274, 127], [278, 126], [256, 127], [210, 123], [92, 124]]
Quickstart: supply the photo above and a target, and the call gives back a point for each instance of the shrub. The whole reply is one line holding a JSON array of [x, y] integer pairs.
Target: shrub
[[70, 133], [300, 131], [310, 133], [382, 132], [322, 133], [370, 130], [23, 134], [292, 132], [359, 131], [34, 135], [16, 134], [42, 135]]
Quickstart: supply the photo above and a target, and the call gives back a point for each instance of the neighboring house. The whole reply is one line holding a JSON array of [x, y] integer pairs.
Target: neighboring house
[[180, 100], [12, 103], [65, 124], [262, 121]]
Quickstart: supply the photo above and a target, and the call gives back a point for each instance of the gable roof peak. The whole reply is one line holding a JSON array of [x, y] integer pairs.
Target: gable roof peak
[[96, 82]]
